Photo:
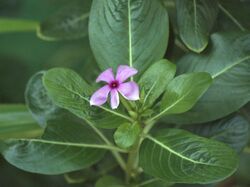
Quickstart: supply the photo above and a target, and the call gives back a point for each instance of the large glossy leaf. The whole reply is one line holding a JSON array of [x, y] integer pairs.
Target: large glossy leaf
[[228, 61], [17, 25], [195, 19], [155, 80], [17, 122], [38, 101], [183, 92], [124, 32], [233, 131], [178, 156], [70, 22], [66, 146], [69, 91]]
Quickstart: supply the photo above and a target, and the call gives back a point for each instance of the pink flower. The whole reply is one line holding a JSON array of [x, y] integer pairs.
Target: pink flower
[[115, 85]]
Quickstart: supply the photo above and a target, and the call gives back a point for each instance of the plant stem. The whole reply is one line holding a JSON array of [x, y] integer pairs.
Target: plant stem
[[126, 104], [133, 161]]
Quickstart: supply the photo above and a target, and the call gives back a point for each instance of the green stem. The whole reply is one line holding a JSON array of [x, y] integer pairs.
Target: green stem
[[133, 162], [126, 104]]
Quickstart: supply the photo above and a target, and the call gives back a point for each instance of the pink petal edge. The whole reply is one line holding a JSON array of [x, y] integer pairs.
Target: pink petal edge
[[124, 72], [129, 90], [106, 76], [100, 96], [114, 99]]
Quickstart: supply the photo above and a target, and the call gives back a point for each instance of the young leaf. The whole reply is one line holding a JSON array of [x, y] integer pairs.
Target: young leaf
[[37, 100], [65, 146], [228, 63], [233, 131], [16, 122], [155, 80], [109, 181], [17, 25], [70, 22], [183, 92], [195, 19], [69, 91], [180, 157], [121, 32], [127, 134]]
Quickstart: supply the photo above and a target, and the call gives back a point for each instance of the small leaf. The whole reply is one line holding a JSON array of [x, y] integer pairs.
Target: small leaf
[[127, 134], [109, 181], [8, 25], [17, 122], [233, 131], [155, 80], [38, 101], [183, 92], [195, 19], [70, 22], [228, 63], [180, 157], [69, 91], [66, 146], [121, 32]]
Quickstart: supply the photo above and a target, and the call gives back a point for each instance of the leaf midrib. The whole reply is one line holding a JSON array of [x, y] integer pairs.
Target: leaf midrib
[[70, 144], [180, 155], [231, 66], [130, 35]]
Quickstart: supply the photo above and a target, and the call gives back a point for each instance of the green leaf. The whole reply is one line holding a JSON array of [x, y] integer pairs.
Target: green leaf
[[109, 181], [8, 25], [37, 100], [155, 80], [228, 61], [121, 32], [178, 156], [233, 131], [195, 19], [70, 22], [127, 134], [16, 122], [66, 145], [69, 91], [183, 92]]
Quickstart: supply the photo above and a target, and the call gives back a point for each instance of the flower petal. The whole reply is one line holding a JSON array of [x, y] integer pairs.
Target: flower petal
[[129, 90], [114, 100], [106, 76], [100, 96], [124, 72]]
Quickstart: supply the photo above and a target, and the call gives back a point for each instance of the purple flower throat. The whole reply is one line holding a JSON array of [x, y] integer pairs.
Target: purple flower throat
[[114, 84]]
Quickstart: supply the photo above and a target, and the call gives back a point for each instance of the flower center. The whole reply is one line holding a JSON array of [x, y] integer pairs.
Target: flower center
[[114, 84]]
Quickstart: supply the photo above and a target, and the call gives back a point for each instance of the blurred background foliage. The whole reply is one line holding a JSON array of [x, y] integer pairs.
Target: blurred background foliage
[[22, 54]]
